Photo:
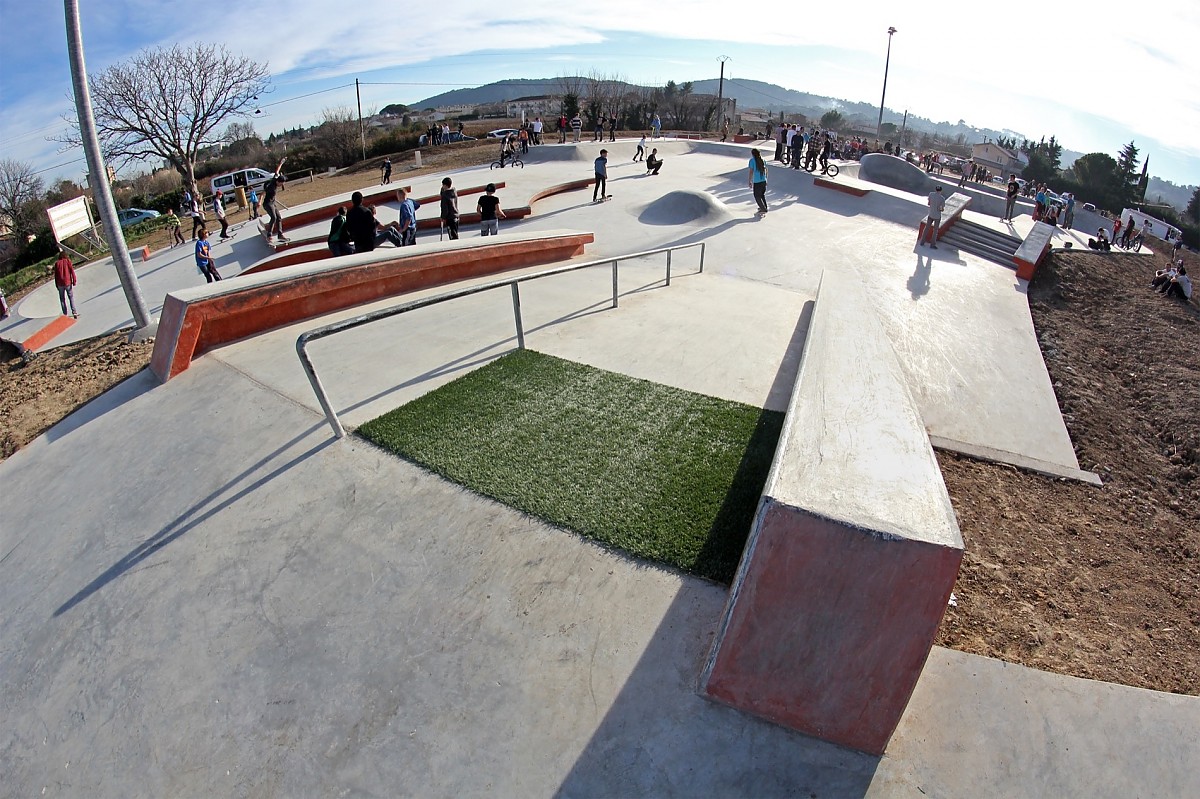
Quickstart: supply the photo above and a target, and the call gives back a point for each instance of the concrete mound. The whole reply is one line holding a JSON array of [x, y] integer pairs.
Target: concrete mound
[[888, 170], [682, 208]]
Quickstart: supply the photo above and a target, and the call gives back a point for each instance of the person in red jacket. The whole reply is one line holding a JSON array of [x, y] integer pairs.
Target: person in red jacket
[[64, 281]]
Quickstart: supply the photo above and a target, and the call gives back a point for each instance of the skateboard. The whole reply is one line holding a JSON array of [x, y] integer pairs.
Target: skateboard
[[603, 199]]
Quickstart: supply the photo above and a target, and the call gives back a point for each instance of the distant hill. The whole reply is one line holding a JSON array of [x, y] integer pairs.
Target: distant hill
[[774, 98]]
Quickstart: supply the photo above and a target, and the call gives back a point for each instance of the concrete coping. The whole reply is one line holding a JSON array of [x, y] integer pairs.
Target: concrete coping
[[854, 447]]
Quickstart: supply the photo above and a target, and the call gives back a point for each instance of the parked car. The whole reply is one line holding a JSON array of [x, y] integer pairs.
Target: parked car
[[454, 136], [502, 133], [1089, 207], [131, 216]]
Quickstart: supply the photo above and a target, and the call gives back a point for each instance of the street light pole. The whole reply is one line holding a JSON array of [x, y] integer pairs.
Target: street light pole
[[886, 64], [101, 191]]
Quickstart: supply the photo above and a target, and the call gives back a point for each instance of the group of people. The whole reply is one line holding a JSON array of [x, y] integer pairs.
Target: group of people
[[1053, 210], [205, 261], [359, 229], [440, 134], [1173, 281]]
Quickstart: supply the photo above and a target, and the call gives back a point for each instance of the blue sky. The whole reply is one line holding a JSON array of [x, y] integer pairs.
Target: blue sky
[[1096, 74]]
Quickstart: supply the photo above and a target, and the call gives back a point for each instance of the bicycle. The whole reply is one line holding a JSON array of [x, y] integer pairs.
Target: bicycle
[[514, 161]]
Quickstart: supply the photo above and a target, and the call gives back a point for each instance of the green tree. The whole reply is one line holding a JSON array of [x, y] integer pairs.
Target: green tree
[[1127, 173], [833, 120], [1193, 208], [1007, 142]]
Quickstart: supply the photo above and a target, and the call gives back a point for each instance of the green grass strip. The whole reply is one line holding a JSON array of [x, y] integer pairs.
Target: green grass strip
[[657, 472]]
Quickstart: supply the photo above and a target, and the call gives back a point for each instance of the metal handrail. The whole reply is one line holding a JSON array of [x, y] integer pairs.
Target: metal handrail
[[514, 283]]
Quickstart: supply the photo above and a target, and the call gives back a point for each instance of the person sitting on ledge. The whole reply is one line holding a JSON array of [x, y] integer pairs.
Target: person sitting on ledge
[[653, 163], [1100, 243], [1163, 276]]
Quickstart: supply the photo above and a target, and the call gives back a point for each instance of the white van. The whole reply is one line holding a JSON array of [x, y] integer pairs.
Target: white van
[[246, 178]]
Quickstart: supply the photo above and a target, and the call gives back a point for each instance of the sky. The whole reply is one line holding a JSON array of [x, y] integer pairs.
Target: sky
[[1095, 74]]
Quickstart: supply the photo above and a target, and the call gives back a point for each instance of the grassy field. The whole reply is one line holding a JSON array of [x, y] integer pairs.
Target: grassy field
[[660, 473]]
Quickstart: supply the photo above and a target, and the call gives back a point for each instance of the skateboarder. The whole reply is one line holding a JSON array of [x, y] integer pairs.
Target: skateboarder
[[601, 177]]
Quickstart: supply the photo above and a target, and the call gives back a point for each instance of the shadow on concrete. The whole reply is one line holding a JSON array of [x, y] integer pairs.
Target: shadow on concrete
[[918, 282], [789, 366], [661, 738], [197, 514], [127, 390]]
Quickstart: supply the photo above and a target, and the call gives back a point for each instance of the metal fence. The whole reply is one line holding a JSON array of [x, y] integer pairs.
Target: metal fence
[[514, 284]]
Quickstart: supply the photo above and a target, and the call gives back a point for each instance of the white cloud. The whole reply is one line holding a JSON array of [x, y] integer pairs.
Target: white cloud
[[1054, 68]]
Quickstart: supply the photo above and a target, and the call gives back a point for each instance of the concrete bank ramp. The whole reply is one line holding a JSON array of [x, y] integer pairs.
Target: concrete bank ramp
[[684, 207], [558, 152], [888, 170]]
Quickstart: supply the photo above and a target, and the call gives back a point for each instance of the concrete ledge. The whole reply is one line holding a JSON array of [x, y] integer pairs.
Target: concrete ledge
[[980, 452], [842, 187], [1033, 250], [955, 205], [854, 549], [197, 319]]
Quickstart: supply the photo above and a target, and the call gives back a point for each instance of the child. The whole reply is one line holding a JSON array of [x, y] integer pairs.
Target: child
[[640, 155], [488, 208], [173, 224], [204, 260]]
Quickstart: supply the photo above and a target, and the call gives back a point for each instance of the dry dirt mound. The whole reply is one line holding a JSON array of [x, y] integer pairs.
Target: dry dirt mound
[[1096, 582]]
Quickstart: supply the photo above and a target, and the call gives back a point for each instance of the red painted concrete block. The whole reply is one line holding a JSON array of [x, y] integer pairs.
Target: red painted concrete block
[[842, 187], [214, 314], [832, 627]]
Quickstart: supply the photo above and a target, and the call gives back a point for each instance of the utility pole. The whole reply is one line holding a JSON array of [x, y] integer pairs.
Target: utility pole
[[101, 191], [721, 93], [362, 133]]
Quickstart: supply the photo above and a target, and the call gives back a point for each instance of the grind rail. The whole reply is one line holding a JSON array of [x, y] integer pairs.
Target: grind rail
[[514, 283]]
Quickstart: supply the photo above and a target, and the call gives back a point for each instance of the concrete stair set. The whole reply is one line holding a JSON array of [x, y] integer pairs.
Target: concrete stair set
[[984, 242]]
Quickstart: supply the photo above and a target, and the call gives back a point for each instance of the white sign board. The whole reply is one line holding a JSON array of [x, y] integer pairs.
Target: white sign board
[[69, 218]]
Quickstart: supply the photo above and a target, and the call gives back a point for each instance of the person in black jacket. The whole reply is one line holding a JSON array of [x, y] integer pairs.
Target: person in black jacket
[[360, 224]]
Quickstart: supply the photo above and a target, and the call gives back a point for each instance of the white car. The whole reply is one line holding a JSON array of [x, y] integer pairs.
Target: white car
[[502, 133]]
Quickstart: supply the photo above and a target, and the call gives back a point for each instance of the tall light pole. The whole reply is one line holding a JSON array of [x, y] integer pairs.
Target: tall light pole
[[886, 63], [101, 191]]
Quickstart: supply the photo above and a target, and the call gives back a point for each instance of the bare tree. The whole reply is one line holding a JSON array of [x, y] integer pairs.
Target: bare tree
[[337, 137], [171, 103], [20, 197]]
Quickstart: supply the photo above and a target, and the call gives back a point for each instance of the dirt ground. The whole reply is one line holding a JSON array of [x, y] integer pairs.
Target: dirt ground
[[1095, 582], [1101, 583]]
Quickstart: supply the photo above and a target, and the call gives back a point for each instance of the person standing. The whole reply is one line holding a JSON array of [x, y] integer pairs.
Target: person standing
[[725, 130], [780, 138], [640, 155], [408, 218], [173, 224], [252, 200], [601, 176], [656, 126], [758, 180], [612, 128], [275, 225], [488, 208], [386, 169], [65, 281], [219, 210], [1069, 212], [537, 130], [826, 146], [937, 204], [577, 126], [339, 239], [360, 224], [1010, 198], [196, 212], [563, 124], [450, 208], [204, 259]]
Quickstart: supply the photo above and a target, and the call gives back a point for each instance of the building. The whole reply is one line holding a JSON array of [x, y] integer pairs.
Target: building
[[996, 159], [544, 105]]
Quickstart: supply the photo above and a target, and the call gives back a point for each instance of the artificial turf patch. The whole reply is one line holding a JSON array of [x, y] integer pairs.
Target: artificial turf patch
[[658, 472]]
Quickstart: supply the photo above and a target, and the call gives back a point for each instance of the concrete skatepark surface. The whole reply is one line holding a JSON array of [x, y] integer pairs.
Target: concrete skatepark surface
[[207, 595]]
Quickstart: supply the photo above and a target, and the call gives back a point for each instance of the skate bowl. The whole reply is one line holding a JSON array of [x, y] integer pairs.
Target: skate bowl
[[852, 556], [896, 173], [683, 208], [200, 318]]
